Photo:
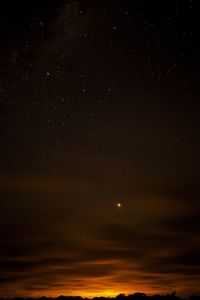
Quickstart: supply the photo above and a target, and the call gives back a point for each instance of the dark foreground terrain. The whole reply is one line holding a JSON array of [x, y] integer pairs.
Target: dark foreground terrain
[[136, 296]]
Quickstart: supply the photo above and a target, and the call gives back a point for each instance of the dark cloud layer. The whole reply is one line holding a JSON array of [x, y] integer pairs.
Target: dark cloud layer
[[151, 241]]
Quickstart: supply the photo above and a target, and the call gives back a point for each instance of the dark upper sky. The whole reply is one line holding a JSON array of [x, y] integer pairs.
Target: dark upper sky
[[99, 104]]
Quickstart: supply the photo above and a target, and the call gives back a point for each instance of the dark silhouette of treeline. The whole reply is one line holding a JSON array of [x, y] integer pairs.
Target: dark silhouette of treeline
[[135, 296]]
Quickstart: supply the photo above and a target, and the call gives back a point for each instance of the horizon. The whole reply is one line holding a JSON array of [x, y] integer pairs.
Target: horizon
[[135, 295]]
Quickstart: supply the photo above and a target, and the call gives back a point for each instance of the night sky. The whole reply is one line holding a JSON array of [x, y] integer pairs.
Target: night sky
[[99, 155]]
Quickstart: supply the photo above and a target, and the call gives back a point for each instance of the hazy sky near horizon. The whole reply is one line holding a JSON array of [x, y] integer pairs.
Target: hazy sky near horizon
[[99, 104]]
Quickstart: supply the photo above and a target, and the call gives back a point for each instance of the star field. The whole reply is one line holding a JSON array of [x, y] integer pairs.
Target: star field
[[99, 156]]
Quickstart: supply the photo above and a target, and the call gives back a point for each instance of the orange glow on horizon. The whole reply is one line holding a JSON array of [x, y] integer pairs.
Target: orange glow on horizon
[[119, 281], [91, 291]]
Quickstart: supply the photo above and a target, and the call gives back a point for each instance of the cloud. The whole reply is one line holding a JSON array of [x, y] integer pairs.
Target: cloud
[[88, 246]]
